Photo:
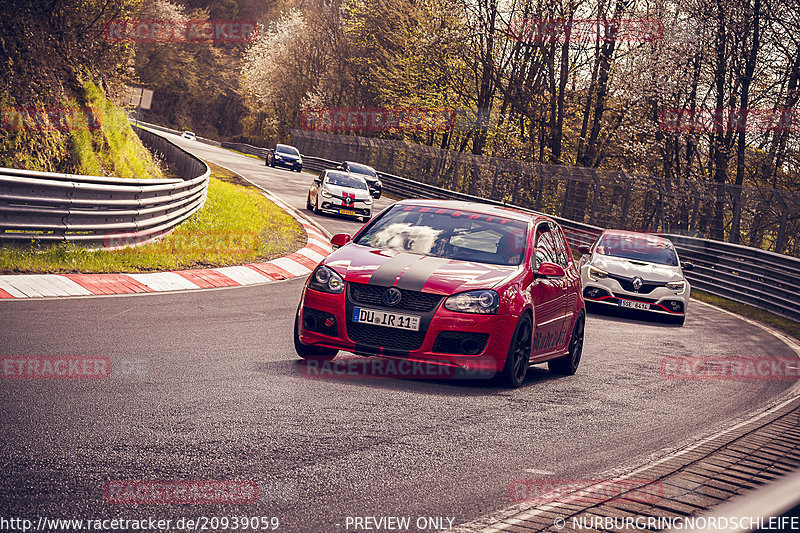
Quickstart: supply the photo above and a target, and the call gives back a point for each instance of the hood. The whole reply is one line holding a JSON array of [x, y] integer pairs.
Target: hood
[[337, 190], [438, 275], [630, 268]]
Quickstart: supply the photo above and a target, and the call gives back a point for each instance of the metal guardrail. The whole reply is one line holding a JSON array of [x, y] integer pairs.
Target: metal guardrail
[[761, 217], [248, 149], [204, 140], [98, 210], [751, 276]]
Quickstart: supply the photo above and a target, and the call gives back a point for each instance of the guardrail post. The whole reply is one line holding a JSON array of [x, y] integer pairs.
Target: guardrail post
[[626, 200], [779, 241], [595, 195]]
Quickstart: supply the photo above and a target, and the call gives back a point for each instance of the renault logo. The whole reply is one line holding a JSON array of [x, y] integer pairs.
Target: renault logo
[[391, 296], [637, 283], [348, 200]]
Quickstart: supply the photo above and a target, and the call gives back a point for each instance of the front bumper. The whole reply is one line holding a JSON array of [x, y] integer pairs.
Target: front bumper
[[285, 163], [331, 207], [323, 321], [660, 300]]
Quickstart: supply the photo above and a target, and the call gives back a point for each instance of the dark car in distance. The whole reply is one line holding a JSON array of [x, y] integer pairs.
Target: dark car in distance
[[285, 156], [366, 172]]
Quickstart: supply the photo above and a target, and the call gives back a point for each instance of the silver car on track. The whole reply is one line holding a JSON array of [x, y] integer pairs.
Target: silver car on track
[[634, 270]]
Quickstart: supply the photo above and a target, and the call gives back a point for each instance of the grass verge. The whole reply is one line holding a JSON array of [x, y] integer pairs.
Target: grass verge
[[237, 225], [748, 311]]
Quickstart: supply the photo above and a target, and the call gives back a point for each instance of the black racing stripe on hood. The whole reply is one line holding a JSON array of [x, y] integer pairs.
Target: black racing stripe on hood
[[417, 275], [386, 274]]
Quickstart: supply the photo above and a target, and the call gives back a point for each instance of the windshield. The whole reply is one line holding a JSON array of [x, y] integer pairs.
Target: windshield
[[283, 149], [637, 248], [344, 180], [361, 169], [449, 233]]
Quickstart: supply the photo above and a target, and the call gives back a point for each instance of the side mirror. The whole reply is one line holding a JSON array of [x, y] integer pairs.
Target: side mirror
[[585, 250], [549, 271], [340, 239], [686, 265]]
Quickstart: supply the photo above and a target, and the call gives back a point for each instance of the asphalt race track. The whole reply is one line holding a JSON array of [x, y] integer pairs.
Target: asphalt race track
[[206, 386]]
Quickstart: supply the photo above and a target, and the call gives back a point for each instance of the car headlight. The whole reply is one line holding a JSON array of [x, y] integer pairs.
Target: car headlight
[[368, 200], [595, 273], [482, 301], [678, 286], [326, 194], [299, 161], [378, 184], [278, 158], [325, 279]]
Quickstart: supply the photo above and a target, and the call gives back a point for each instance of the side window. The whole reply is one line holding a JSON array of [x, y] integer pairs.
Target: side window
[[545, 245], [562, 252]]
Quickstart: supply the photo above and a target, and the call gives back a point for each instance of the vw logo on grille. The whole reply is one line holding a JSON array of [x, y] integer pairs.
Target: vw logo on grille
[[637, 283], [391, 296]]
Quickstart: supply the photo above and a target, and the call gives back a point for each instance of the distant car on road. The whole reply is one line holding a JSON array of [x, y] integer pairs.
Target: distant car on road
[[189, 135], [368, 173], [460, 285], [636, 271], [340, 193], [285, 156]]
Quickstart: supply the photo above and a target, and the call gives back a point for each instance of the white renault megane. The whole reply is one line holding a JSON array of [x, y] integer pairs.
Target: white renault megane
[[636, 271]]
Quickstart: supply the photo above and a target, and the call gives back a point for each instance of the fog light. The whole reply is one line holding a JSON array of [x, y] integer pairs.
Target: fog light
[[592, 292], [676, 306], [470, 347]]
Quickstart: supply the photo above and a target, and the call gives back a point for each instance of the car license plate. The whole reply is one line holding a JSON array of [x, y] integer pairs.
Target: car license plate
[[634, 305], [347, 212], [382, 318]]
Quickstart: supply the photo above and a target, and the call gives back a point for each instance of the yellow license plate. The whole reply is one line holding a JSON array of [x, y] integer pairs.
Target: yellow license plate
[[346, 212]]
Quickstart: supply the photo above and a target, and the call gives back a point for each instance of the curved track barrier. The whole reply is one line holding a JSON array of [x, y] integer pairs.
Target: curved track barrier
[[102, 211], [761, 217], [751, 276]]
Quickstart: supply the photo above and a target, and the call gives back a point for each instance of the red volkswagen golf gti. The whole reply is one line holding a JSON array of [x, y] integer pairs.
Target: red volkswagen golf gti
[[465, 285]]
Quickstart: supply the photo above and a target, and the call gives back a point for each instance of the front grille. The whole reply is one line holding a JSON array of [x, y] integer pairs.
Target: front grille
[[421, 302], [392, 338], [460, 342], [636, 297], [627, 284]]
